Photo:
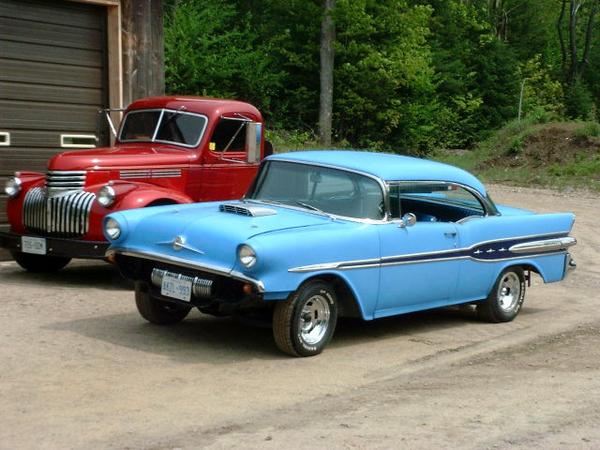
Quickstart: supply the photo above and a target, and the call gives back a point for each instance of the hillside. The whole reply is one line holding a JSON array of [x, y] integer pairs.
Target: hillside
[[556, 154]]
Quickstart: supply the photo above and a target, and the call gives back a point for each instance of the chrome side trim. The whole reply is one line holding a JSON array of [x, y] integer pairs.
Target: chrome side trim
[[394, 260], [185, 263], [548, 245], [149, 173]]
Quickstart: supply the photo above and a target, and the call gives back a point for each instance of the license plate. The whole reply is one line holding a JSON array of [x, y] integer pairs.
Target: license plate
[[175, 288], [34, 245]]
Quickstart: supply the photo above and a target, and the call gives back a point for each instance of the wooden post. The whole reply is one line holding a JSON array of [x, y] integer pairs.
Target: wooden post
[[143, 49]]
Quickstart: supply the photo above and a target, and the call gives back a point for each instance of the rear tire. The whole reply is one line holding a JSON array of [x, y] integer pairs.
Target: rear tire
[[506, 297], [40, 263], [158, 311], [304, 324]]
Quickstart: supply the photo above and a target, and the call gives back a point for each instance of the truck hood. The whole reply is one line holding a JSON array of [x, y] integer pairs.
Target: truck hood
[[129, 156], [210, 236]]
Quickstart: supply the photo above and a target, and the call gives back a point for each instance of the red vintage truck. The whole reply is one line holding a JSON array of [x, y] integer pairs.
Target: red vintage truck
[[167, 150]]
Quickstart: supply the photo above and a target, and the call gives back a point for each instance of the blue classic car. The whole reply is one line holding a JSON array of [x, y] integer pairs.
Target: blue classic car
[[326, 234]]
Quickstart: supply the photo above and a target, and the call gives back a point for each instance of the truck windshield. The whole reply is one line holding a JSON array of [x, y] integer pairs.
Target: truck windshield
[[322, 189], [163, 125]]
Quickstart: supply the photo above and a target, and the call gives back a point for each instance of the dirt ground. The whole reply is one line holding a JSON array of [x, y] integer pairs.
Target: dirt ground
[[80, 369]]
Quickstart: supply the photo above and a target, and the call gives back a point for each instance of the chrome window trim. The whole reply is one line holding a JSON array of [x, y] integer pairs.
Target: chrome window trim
[[185, 263], [153, 139], [488, 208], [379, 181]]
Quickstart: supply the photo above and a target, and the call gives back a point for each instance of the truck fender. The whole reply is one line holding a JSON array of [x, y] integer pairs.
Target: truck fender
[[142, 195]]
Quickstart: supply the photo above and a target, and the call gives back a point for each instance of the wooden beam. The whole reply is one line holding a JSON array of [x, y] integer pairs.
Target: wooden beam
[[143, 49]]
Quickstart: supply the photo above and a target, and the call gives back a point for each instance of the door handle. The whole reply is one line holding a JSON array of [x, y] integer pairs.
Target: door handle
[[450, 234]]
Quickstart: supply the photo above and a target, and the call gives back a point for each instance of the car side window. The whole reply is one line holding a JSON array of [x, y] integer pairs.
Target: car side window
[[434, 202], [229, 136]]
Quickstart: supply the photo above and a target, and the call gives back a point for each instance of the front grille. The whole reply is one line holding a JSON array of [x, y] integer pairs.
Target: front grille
[[58, 181], [62, 216]]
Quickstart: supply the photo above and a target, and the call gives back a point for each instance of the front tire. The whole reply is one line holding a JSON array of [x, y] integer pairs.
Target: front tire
[[40, 263], [304, 324], [506, 297], [158, 311]]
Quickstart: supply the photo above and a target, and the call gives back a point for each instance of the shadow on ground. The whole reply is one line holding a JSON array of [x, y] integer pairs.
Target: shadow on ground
[[225, 340], [97, 274]]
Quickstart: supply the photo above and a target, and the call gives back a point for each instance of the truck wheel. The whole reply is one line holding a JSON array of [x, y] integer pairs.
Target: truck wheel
[[304, 323], [506, 298], [157, 311], [40, 263]]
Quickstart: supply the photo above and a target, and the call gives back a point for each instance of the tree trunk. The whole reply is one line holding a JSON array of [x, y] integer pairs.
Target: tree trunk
[[327, 60]]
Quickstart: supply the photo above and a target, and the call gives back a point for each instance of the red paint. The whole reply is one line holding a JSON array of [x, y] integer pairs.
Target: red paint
[[205, 175]]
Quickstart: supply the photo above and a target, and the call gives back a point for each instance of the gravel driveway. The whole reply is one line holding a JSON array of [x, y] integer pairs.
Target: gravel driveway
[[80, 369]]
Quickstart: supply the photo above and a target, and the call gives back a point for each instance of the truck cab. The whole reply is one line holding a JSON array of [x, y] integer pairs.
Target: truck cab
[[167, 150]]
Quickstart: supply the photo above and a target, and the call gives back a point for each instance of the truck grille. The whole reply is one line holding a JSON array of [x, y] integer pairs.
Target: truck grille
[[62, 216], [58, 181]]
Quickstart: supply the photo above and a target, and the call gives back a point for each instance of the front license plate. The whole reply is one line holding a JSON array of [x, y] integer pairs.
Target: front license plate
[[34, 245], [175, 288]]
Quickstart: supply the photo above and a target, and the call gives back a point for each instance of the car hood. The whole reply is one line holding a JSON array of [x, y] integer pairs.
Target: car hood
[[130, 156], [209, 236]]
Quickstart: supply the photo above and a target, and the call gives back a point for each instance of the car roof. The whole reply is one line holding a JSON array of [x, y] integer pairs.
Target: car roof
[[386, 166]]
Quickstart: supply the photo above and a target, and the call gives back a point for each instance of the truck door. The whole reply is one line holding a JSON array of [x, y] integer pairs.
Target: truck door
[[226, 172]]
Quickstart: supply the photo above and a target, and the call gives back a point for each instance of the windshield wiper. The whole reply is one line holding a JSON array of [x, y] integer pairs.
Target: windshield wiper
[[313, 208]]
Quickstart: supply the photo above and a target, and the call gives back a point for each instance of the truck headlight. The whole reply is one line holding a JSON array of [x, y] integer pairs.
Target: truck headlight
[[106, 196], [112, 229], [247, 256], [12, 187]]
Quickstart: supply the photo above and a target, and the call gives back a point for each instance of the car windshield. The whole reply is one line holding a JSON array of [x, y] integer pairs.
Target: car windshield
[[163, 125], [321, 189]]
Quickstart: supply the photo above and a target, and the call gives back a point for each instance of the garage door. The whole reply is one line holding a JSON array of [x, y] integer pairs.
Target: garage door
[[52, 81]]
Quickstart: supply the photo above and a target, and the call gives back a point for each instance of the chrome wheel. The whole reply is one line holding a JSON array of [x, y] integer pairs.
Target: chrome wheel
[[509, 291], [314, 319]]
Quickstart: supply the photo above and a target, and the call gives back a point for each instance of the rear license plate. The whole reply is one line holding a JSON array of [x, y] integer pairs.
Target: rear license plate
[[34, 245], [175, 288]]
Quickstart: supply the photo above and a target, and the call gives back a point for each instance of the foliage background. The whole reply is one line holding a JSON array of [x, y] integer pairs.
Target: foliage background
[[410, 75]]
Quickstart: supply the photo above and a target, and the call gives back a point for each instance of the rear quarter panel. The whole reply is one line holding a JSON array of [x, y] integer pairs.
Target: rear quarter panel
[[477, 277]]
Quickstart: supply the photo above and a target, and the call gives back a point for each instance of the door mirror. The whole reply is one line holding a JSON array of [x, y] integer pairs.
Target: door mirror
[[253, 139], [408, 220]]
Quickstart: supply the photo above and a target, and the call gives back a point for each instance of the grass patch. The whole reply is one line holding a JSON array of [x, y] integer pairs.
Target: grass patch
[[528, 153]]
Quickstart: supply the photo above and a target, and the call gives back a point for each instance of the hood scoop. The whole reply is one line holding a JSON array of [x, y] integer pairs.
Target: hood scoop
[[246, 210]]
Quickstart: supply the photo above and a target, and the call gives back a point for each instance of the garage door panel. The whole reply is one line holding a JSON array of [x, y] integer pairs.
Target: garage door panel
[[51, 54], [50, 74], [48, 116], [51, 94], [52, 79], [23, 139], [33, 159], [71, 14], [49, 34]]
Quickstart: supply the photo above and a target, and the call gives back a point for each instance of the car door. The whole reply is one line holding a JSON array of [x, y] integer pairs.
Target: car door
[[420, 264], [418, 267]]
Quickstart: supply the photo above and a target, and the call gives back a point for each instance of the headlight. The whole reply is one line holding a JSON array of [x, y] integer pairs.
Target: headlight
[[112, 229], [247, 256], [12, 187], [106, 196]]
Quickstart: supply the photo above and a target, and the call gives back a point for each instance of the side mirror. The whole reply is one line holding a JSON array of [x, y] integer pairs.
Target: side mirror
[[253, 139], [408, 220]]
